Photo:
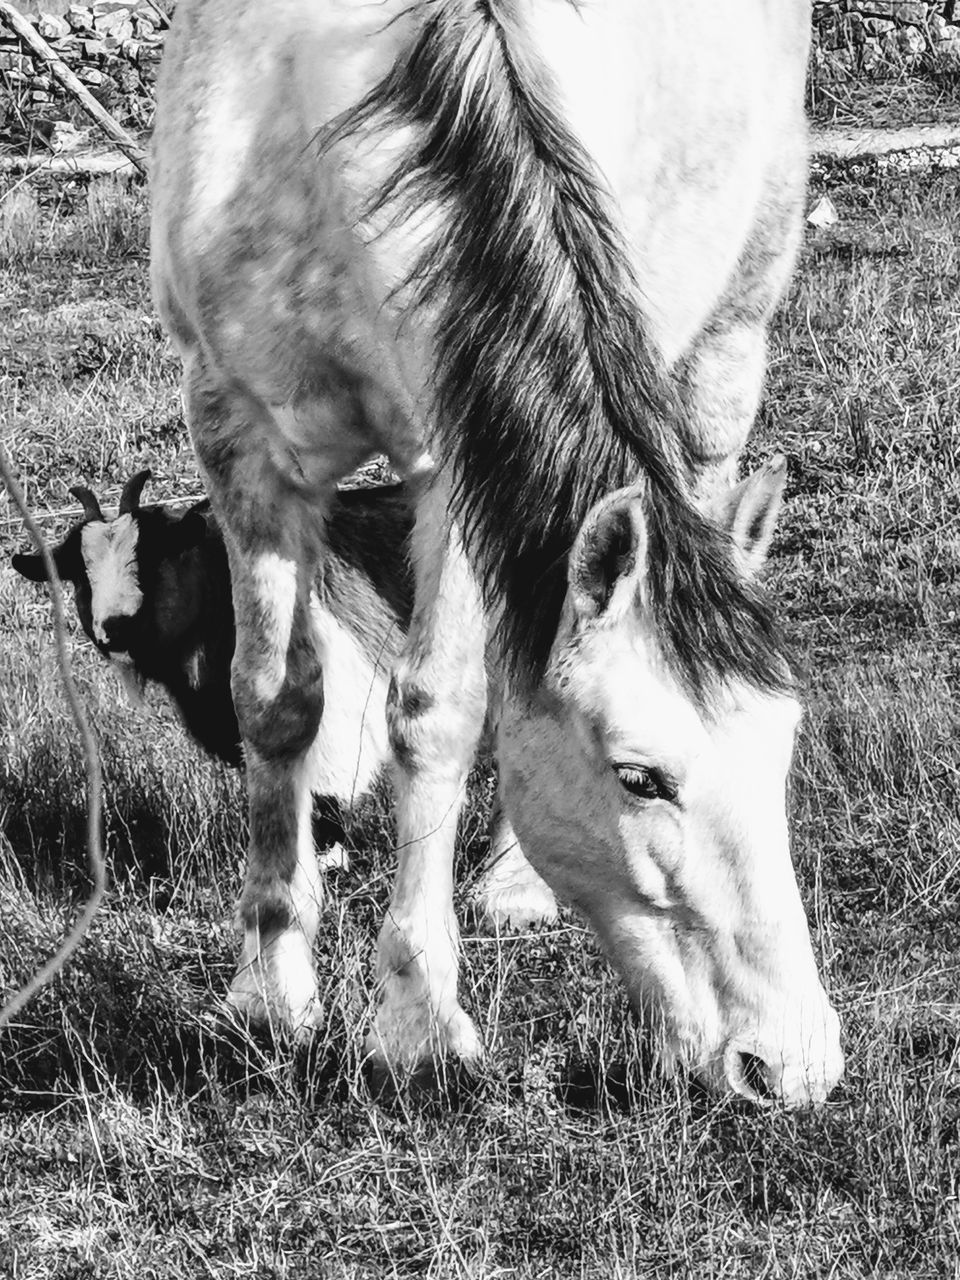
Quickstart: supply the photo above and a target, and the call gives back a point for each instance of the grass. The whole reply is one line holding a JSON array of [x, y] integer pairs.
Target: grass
[[884, 93], [892, 98], [138, 1139]]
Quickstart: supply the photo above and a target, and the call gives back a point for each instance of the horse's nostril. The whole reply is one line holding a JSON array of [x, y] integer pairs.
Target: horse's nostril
[[755, 1075]]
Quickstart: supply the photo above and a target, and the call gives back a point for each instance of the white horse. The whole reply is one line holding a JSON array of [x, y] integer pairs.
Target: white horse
[[539, 240]]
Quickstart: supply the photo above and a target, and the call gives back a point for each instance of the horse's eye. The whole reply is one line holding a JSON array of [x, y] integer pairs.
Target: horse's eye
[[646, 784]]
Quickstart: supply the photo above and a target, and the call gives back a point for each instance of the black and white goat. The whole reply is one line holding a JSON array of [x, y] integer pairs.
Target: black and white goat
[[153, 593]]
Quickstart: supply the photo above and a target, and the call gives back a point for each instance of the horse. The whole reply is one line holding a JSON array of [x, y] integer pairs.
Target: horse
[[528, 250]]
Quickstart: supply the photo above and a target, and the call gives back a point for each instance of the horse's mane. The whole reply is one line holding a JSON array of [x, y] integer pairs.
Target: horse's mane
[[549, 393]]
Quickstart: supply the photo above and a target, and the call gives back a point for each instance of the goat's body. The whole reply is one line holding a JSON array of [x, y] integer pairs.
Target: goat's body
[[181, 633], [360, 606], [192, 659]]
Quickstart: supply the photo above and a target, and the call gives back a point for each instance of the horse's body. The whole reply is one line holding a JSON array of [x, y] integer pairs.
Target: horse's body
[[418, 228]]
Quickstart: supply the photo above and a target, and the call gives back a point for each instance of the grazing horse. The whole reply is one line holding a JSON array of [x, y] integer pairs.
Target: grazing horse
[[538, 241]]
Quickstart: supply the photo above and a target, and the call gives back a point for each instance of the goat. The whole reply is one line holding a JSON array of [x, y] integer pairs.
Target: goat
[[153, 594]]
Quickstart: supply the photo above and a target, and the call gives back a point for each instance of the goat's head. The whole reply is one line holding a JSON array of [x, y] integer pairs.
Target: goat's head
[[137, 585]]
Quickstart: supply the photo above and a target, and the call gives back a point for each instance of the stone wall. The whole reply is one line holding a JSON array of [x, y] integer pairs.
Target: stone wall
[[114, 48], [871, 37]]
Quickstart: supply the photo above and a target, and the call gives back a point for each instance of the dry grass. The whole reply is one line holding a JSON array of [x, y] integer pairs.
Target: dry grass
[[889, 95], [138, 1139]]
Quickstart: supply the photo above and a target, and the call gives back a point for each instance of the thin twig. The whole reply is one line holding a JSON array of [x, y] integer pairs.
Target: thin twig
[[816, 344], [60, 71], [98, 868]]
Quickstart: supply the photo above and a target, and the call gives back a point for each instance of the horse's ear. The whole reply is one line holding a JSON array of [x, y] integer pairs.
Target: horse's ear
[[609, 555], [749, 513]]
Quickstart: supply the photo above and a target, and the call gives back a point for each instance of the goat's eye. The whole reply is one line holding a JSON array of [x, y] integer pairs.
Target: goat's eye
[[646, 784]]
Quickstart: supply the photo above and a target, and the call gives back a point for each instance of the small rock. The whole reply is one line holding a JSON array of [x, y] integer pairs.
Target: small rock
[[66, 136], [80, 17], [824, 213], [51, 27], [878, 26], [910, 41], [901, 10], [910, 12], [938, 26], [116, 24], [91, 77]]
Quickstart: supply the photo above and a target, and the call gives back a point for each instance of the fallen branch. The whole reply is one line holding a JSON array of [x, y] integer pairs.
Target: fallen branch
[[846, 144], [61, 72], [89, 166]]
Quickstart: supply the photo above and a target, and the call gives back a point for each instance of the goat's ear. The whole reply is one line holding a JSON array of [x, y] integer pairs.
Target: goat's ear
[[30, 567], [187, 532], [66, 560]]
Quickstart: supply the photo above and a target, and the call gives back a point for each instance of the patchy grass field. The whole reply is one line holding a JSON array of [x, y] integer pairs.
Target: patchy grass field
[[889, 99], [136, 1142]]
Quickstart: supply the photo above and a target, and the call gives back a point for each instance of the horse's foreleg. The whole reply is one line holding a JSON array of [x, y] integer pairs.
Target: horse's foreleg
[[277, 690], [510, 893], [721, 378], [435, 715]]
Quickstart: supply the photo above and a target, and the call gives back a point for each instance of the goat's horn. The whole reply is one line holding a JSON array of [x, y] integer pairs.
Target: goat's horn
[[91, 507], [130, 498]]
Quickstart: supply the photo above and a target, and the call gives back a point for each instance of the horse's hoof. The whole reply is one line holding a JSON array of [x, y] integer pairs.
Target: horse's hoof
[[443, 1065]]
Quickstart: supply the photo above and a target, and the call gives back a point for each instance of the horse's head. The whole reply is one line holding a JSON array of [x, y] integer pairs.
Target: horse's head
[[659, 810]]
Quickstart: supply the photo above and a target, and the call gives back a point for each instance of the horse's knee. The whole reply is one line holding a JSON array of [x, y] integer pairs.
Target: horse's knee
[[408, 706], [280, 723], [284, 726], [428, 729]]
